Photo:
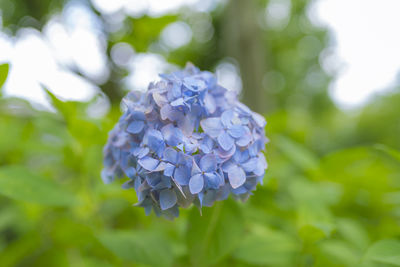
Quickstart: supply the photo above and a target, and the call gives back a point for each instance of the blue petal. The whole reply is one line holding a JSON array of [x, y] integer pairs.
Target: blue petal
[[223, 192], [172, 135], [261, 166], [155, 141], [195, 169], [170, 155], [178, 102], [211, 126], [138, 115], [209, 198], [260, 121], [161, 167], [196, 184], [140, 152], [208, 163], [244, 140], [153, 180], [194, 84], [240, 190], [182, 175], [229, 165], [167, 112], [128, 184], [226, 118], [250, 165], [224, 155], [186, 124], [225, 141], [130, 172], [176, 90], [185, 160], [181, 147], [206, 145], [107, 176], [209, 103], [148, 163], [236, 131], [167, 199], [243, 108], [160, 99], [213, 180], [147, 210], [135, 127], [169, 169], [241, 156], [236, 176]]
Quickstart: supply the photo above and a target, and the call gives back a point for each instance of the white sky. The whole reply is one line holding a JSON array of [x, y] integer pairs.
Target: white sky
[[367, 38], [365, 34]]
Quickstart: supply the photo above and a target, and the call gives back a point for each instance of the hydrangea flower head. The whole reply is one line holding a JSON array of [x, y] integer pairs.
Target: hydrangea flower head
[[186, 140]]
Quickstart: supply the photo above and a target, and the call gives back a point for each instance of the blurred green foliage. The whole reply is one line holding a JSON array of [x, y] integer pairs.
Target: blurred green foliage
[[331, 196]]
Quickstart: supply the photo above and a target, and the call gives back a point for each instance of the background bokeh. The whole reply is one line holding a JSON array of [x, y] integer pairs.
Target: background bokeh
[[331, 195]]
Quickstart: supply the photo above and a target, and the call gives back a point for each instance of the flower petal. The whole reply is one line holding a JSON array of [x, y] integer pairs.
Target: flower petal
[[182, 175], [208, 163], [236, 176], [236, 131], [250, 165], [178, 102], [170, 155], [225, 141], [259, 120], [211, 126], [209, 103], [194, 84], [167, 199], [135, 127], [155, 141], [160, 99], [213, 180], [244, 140], [206, 145], [167, 112], [196, 184], [226, 118], [169, 169], [140, 152], [172, 135], [186, 124], [130, 172], [148, 163], [224, 155], [228, 165]]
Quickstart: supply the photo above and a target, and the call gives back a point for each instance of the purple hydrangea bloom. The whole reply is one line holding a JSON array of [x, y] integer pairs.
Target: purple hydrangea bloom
[[186, 140]]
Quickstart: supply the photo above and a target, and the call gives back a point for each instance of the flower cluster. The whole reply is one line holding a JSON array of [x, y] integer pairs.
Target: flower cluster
[[186, 140]]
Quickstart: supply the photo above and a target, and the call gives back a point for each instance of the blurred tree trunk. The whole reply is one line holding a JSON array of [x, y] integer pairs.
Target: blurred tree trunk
[[242, 40]]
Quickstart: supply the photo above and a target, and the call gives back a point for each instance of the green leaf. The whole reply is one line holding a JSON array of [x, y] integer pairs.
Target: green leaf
[[19, 183], [395, 154], [4, 68], [138, 247], [214, 234], [297, 153], [384, 251], [268, 247], [340, 252], [312, 201], [146, 30], [365, 176], [315, 223], [354, 232], [67, 109], [16, 251]]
